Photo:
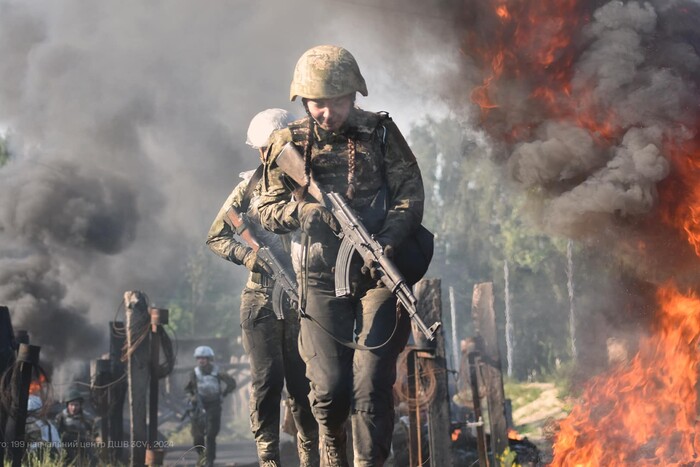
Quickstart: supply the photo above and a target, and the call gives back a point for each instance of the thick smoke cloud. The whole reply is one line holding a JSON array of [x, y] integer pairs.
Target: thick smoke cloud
[[127, 126], [638, 98], [592, 132]]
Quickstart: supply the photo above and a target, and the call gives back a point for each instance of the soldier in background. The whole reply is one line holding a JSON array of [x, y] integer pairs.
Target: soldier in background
[[206, 394], [363, 156], [76, 429], [271, 344]]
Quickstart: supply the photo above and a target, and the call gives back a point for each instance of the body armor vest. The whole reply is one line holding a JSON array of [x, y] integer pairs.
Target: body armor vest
[[330, 155], [208, 385], [74, 427]]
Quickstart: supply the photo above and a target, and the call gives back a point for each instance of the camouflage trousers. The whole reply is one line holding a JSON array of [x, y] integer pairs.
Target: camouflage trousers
[[355, 383], [272, 347]]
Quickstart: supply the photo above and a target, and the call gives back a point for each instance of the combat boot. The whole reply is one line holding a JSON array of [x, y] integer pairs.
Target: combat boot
[[308, 453], [333, 452]]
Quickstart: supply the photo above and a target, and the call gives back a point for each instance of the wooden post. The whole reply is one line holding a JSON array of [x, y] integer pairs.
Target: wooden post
[[415, 456], [474, 362], [27, 359], [116, 394], [428, 294], [484, 319], [137, 338], [7, 358], [154, 455], [101, 378]]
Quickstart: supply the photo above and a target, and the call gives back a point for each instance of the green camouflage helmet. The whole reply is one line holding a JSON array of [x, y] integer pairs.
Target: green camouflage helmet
[[325, 72], [74, 394]]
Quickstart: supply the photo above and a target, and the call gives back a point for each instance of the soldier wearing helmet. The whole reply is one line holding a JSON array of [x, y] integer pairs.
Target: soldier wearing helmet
[[76, 428], [363, 156], [206, 388], [271, 344]]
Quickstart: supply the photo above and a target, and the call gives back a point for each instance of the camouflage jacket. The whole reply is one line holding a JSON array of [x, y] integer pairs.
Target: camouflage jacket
[[383, 160], [222, 239], [77, 427]]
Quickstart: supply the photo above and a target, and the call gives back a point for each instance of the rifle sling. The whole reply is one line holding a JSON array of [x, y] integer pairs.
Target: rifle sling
[[252, 183], [350, 344]]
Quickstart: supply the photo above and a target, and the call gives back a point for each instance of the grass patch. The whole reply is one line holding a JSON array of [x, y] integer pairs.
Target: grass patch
[[521, 394]]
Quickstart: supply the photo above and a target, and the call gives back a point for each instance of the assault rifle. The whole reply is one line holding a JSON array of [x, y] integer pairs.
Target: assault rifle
[[284, 282], [355, 237]]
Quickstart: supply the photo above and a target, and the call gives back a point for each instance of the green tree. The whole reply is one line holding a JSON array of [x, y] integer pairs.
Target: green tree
[[208, 298], [480, 221]]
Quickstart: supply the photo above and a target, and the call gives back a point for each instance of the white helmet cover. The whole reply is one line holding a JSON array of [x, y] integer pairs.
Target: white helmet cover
[[203, 351], [33, 403], [264, 123]]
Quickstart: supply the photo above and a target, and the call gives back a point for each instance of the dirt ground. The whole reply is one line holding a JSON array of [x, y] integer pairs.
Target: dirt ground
[[535, 420]]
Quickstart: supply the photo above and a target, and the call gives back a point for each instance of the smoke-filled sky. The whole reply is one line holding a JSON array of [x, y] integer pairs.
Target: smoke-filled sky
[[127, 123], [593, 106]]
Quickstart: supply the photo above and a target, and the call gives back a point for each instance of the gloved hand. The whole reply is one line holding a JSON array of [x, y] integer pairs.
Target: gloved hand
[[315, 219], [251, 261], [370, 268]]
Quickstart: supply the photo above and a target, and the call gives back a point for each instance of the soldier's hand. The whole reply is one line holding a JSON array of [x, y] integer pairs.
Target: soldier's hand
[[253, 263], [371, 268], [315, 219]]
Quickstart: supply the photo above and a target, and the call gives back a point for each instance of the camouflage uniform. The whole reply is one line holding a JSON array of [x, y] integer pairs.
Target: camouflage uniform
[[77, 434], [206, 422], [271, 344], [344, 380]]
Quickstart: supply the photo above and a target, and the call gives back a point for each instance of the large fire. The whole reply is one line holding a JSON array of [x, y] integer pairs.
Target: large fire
[[645, 412]]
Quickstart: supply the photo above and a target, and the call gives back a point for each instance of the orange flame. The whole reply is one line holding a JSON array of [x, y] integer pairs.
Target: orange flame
[[36, 384], [502, 12], [646, 412], [533, 43], [514, 435], [643, 413], [680, 195]]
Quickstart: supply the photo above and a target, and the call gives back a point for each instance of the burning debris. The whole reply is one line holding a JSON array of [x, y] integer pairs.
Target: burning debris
[[646, 411], [593, 108]]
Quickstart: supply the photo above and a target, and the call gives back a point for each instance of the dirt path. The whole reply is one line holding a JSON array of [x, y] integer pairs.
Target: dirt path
[[546, 406], [532, 418]]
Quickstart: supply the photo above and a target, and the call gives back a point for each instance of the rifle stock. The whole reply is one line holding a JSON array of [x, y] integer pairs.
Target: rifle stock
[[355, 238]]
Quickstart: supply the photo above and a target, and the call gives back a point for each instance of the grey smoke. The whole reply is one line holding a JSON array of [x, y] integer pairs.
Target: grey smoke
[[636, 75], [562, 152], [625, 187], [127, 124]]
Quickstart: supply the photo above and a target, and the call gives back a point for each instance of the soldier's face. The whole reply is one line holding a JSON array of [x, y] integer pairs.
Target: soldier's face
[[74, 407], [202, 361], [330, 113]]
